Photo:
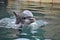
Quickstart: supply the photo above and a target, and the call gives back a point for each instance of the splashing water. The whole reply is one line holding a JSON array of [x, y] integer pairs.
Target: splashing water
[[32, 28], [10, 23], [28, 39], [36, 25], [22, 39]]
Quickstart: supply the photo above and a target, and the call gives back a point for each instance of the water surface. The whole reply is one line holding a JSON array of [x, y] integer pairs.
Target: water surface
[[46, 12]]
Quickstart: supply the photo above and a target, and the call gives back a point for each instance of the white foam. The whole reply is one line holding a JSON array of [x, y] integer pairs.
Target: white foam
[[47, 39], [10, 23], [23, 33], [22, 39], [36, 25], [29, 39]]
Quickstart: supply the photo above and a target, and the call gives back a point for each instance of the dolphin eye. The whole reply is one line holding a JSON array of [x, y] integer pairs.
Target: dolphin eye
[[24, 18]]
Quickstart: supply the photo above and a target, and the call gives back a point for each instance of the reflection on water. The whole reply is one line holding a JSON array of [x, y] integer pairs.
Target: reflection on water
[[47, 12]]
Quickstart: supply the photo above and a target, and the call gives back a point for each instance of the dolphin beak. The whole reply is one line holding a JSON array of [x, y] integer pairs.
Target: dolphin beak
[[32, 20]]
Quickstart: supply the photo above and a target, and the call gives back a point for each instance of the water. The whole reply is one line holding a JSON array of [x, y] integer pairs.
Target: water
[[28, 30], [43, 13]]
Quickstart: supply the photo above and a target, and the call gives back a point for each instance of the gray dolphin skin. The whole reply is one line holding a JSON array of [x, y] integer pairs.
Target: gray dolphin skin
[[26, 17]]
